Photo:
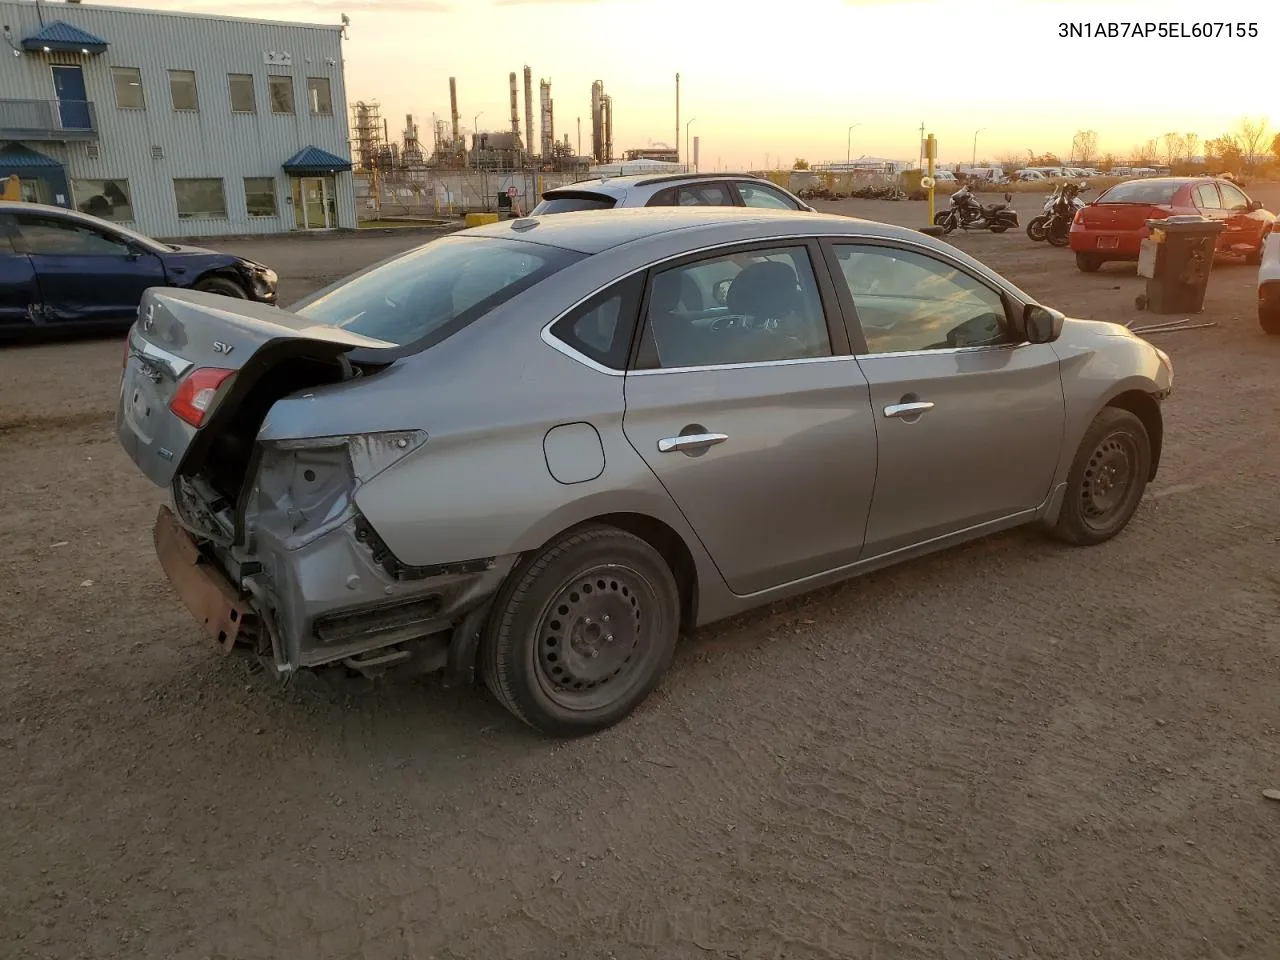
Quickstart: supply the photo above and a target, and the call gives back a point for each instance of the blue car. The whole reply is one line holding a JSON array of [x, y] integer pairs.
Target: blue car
[[63, 270]]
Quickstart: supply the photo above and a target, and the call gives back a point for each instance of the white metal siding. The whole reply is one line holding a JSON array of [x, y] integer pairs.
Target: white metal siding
[[212, 142]]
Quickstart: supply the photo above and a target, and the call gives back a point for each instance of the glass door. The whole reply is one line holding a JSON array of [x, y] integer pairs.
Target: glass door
[[315, 201]]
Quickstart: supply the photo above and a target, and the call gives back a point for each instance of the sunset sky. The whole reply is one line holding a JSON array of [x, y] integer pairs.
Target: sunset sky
[[785, 80]]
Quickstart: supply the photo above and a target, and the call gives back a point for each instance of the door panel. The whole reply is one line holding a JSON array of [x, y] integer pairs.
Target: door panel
[[777, 483], [1244, 229], [969, 422], [18, 288], [986, 449], [85, 274], [68, 87]]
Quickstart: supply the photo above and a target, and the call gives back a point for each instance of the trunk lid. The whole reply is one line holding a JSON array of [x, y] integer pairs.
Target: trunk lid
[[1121, 217], [206, 356]]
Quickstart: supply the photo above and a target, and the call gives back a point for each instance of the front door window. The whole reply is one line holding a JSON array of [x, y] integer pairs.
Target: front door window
[[73, 105]]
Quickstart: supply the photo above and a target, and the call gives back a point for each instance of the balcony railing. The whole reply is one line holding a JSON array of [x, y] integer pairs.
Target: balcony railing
[[48, 120]]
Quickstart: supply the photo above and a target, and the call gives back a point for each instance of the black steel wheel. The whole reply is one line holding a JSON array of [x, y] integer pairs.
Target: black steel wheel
[[1107, 478], [582, 631]]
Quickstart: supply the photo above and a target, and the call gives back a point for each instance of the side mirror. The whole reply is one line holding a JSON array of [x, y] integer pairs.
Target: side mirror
[[1255, 205], [1042, 324]]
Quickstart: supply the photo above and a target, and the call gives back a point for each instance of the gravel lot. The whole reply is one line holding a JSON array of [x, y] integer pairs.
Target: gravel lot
[[1012, 749]]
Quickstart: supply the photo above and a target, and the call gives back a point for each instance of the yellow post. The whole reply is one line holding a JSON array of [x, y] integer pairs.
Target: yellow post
[[931, 149]]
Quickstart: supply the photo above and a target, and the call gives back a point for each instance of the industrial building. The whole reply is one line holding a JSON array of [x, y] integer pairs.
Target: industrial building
[[176, 124]]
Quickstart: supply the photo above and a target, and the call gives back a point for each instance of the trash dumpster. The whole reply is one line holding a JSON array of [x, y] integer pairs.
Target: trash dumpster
[[1176, 260]]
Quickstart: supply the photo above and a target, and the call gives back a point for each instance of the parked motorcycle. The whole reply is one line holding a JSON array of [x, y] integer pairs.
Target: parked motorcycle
[[967, 213], [1060, 208]]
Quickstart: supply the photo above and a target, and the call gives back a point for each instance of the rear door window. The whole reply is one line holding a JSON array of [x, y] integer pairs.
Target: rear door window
[[430, 293], [704, 195], [1205, 196]]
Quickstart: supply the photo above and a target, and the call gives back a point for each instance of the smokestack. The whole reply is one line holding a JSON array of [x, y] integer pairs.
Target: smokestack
[[453, 107], [515, 107], [677, 140], [528, 110], [548, 123], [597, 121], [607, 104]]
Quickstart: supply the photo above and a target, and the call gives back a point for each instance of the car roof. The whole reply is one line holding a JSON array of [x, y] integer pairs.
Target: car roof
[[619, 184], [593, 231], [45, 209]]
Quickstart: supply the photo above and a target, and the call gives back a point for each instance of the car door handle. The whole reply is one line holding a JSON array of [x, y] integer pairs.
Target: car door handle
[[908, 409], [691, 441]]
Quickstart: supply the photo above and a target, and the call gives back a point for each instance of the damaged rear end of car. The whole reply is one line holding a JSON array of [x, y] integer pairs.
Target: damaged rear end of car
[[264, 541]]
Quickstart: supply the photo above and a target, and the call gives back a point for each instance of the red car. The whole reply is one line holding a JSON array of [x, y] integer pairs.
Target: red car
[[1114, 225]]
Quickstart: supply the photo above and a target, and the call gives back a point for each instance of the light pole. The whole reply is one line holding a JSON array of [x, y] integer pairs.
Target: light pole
[[848, 146], [475, 131], [974, 159], [688, 157]]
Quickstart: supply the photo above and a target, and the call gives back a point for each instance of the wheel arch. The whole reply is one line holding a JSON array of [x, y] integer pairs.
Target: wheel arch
[[1145, 407], [670, 545], [224, 272]]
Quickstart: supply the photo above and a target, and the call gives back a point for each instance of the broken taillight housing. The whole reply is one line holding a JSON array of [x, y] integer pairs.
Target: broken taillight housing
[[194, 396]]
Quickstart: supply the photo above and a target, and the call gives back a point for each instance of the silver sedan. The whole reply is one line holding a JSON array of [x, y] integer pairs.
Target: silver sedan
[[542, 449]]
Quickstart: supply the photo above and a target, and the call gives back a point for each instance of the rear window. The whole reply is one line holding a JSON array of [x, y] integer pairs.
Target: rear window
[[569, 202], [1140, 191], [423, 296]]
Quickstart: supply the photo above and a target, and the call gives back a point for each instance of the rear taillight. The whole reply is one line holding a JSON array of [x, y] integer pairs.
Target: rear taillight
[[195, 394]]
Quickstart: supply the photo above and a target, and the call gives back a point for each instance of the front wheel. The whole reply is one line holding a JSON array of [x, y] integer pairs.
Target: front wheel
[[940, 218], [222, 286], [1035, 229], [582, 631], [949, 223], [1107, 479]]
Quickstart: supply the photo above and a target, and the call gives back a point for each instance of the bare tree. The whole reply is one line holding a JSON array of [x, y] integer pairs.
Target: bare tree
[[1224, 152], [1084, 146], [1174, 148], [1190, 144], [1251, 133], [1108, 161], [1275, 145], [1010, 160]]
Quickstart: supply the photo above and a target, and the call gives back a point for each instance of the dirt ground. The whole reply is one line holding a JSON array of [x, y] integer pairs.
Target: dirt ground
[[1009, 750]]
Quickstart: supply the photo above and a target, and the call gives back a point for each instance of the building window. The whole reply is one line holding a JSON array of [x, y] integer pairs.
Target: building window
[[241, 85], [200, 198], [281, 94], [128, 81], [260, 196], [319, 96], [182, 90], [108, 199]]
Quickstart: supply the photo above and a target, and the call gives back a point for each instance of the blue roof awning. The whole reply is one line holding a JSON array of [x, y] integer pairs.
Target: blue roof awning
[[64, 38], [310, 161], [17, 157]]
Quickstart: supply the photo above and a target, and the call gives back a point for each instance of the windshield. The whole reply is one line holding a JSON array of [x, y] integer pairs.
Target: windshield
[[430, 293], [568, 202], [1141, 191]]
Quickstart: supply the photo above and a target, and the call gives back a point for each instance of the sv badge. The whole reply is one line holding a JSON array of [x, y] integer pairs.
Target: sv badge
[[222, 348]]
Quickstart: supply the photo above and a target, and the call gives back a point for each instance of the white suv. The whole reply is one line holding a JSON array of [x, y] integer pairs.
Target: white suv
[[1269, 283], [669, 190]]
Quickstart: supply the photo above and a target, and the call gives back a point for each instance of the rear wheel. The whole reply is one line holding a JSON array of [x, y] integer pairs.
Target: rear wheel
[[582, 631], [222, 286], [1087, 263], [1107, 479], [1058, 233]]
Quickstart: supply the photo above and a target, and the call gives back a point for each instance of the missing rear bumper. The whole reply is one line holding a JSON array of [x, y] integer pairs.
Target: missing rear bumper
[[204, 590]]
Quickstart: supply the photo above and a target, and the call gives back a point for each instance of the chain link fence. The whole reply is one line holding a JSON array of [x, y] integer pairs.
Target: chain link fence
[[412, 195]]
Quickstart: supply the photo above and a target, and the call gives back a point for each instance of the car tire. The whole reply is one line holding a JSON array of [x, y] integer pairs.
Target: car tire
[[223, 287], [1254, 257], [1115, 443], [1087, 264], [1269, 321], [597, 593]]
